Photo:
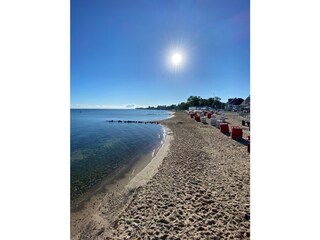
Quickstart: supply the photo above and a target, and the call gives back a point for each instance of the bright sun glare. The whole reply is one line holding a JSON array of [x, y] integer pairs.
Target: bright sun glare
[[176, 59]]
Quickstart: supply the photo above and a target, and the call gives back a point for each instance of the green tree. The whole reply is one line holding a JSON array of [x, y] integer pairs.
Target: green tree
[[211, 102], [203, 102], [194, 101], [217, 98], [183, 106]]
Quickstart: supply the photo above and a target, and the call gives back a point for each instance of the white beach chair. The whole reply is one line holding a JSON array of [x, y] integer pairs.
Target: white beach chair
[[213, 121], [218, 123]]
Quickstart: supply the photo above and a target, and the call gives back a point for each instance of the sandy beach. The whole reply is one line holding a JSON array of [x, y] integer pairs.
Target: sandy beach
[[197, 187]]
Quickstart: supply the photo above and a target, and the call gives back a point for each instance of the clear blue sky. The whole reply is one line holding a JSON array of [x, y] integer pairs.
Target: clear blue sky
[[120, 51]]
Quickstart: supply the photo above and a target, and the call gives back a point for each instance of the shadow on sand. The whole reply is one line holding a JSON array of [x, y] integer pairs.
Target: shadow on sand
[[242, 141], [239, 140]]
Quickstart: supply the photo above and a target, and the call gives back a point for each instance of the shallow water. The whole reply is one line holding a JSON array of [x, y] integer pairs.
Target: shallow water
[[99, 148]]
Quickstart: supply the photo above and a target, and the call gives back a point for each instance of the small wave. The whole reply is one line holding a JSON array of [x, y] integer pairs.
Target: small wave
[[153, 152]]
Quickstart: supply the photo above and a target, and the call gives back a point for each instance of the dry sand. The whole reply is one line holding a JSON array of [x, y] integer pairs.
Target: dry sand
[[200, 191]]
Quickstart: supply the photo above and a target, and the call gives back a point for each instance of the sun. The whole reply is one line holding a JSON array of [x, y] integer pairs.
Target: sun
[[176, 59]]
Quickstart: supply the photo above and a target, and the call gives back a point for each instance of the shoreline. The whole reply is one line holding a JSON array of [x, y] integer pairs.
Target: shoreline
[[143, 176], [121, 183], [201, 190]]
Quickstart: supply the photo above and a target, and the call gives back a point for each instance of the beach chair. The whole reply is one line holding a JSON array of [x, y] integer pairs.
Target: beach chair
[[236, 132], [213, 121], [224, 128]]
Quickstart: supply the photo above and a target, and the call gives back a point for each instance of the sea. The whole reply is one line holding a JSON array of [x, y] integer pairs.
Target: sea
[[99, 148]]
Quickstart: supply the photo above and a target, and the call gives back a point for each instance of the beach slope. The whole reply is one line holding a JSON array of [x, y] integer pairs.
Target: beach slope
[[200, 191]]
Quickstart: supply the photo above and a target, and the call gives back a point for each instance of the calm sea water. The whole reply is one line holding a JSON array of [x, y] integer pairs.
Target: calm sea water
[[99, 148]]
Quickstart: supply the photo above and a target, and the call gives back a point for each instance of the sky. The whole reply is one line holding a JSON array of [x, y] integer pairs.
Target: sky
[[121, 51]]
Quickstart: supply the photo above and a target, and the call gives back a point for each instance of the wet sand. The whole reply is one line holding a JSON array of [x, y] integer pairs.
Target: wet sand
[[200, 191], [116, 189]]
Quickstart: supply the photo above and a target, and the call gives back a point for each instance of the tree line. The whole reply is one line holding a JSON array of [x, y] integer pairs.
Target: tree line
[[192, 101]]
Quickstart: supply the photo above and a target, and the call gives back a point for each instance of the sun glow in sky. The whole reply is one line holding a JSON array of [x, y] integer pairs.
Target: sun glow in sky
[[176, 59], [138, 53]]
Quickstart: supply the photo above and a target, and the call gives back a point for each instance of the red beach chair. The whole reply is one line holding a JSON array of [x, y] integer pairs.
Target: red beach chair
[[224, 128], [236, 132]]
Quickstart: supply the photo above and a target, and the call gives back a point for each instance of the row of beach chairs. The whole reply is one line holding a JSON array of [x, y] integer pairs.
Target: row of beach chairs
[[236, 131]]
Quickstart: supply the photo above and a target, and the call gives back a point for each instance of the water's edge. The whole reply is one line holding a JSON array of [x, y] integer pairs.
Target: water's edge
[[101, 153], [121, 176]]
